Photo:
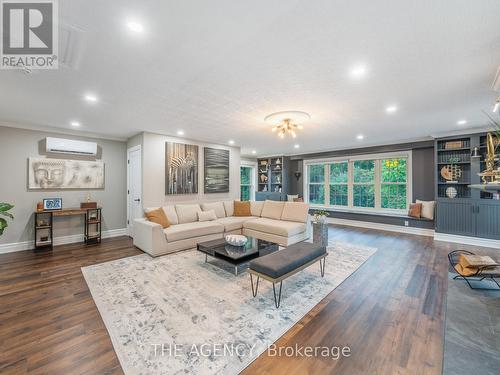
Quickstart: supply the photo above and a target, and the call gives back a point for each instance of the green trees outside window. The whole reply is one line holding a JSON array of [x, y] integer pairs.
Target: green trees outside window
[[246, 183]]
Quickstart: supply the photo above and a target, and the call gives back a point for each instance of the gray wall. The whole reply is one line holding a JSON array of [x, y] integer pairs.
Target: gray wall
[[17, 145]]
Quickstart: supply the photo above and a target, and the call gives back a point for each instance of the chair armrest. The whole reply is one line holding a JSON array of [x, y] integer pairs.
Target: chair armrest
[[149, 237]]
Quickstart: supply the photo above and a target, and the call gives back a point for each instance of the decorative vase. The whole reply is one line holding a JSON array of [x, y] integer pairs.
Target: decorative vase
[[320, 233]]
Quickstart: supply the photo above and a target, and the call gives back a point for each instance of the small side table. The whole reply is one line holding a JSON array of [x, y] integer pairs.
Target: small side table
[[320, 233]]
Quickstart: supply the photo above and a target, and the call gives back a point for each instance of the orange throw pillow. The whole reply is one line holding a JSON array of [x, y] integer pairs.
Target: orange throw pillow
[[158, 216], [242, 209], [415, 210]]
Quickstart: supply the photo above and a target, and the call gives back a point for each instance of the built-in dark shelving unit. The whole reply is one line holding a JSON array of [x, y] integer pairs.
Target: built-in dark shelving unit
[[272, 178], [471, 212]]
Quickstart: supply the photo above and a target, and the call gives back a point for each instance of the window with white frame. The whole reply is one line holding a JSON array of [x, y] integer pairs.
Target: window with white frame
[[247, 178], [370, 183]]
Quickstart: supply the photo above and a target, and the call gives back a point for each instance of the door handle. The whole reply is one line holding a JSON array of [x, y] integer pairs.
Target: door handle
[[137, 200]]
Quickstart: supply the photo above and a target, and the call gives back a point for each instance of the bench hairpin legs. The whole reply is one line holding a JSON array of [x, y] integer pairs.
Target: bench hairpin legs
[[254, 293], [322, 266], [277, 301]]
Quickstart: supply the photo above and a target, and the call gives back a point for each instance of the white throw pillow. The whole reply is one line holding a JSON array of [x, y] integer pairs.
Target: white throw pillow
[[256, 207], [171, 214], [229, 208], [272, 209], [427, 209], [217, 207], [207, 215], [295, 211]]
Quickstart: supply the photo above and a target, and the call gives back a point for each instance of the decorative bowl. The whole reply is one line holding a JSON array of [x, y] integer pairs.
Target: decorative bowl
[[236, 239]]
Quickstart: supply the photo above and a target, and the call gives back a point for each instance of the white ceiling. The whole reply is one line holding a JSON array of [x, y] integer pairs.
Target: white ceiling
[[216, 68]]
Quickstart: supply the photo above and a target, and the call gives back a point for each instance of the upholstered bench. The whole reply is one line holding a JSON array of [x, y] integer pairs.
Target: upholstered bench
[[282, 264]]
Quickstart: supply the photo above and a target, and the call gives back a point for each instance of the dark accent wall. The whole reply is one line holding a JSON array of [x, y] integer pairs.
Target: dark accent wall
[[422, 177], [422, 165]]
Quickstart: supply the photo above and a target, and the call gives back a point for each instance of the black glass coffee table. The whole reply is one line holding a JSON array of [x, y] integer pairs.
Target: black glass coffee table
[[237, 256]]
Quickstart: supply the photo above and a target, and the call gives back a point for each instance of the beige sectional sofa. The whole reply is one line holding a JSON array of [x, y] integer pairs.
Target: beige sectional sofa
[[284, 223]]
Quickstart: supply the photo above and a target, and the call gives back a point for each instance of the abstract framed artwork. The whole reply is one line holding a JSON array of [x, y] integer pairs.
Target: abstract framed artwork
[[216, 170], [48, 174], [181, 168]]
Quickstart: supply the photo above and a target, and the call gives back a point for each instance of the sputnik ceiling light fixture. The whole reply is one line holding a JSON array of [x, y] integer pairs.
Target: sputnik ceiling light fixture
[[287, 122]]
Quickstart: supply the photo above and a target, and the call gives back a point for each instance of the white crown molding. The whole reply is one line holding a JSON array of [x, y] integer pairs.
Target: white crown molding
[[57, 130], [28, 245], [379, 226], [353, 148], [460, 132], [465, 240]]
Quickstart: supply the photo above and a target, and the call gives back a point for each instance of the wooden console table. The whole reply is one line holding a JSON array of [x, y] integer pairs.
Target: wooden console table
[[44, 224]]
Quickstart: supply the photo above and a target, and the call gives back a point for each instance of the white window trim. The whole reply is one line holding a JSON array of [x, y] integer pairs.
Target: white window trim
[[253, 177], [350, 160]]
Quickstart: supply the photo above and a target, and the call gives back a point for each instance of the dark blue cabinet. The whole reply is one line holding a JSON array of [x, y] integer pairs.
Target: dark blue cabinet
[[476, 218]]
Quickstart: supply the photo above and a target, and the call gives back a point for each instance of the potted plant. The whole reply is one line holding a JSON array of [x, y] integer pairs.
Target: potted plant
[[4, 211], [319, 216]]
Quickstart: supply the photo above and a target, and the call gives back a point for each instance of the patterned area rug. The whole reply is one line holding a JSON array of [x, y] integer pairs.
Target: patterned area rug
[[177, 314]]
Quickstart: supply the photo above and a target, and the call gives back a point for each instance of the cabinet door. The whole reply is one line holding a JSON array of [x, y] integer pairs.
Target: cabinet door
[[455, 217], [488, 220]]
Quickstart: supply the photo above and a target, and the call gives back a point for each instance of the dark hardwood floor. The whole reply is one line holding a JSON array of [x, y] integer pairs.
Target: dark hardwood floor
[[390, 312]]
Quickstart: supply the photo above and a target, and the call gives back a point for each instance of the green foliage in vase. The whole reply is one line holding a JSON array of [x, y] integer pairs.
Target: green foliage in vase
[[4, 211]]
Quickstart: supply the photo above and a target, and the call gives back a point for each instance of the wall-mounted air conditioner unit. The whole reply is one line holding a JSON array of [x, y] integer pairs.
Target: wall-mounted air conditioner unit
[[70, 146]]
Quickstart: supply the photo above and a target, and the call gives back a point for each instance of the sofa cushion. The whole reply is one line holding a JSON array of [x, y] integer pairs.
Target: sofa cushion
[[295, 211], [234, 222], [207, 215], [272, 209], [171, 214], [187, 213], [218, 207], [190, 230], [256, 207], [157, 216], [229, 207], [284, 261], [242, 209], [277, 227]]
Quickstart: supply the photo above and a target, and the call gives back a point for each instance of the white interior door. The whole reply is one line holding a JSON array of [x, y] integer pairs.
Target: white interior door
[[134, 188]]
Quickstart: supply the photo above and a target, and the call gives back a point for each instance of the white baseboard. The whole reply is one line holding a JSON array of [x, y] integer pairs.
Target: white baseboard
[[28, 245], [474, 241], [380, 226]]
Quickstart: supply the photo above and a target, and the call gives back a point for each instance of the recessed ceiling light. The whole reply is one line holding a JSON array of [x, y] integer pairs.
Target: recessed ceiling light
[[75, 124], [358, 71], [134, 26], [296, 146], [461, 122], [360, 137], [180, 132], [231, 142], [391, 109], [90, 98], [254, 152]]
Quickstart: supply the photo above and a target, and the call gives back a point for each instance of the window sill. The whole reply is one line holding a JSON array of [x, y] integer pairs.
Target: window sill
[[388, 213]]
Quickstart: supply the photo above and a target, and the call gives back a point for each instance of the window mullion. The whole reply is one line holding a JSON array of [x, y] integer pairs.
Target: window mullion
[[350, 176], [377, 181], [327, 185]]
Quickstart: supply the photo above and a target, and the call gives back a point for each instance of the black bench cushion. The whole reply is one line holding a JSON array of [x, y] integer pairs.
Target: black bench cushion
[[281, 262]]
